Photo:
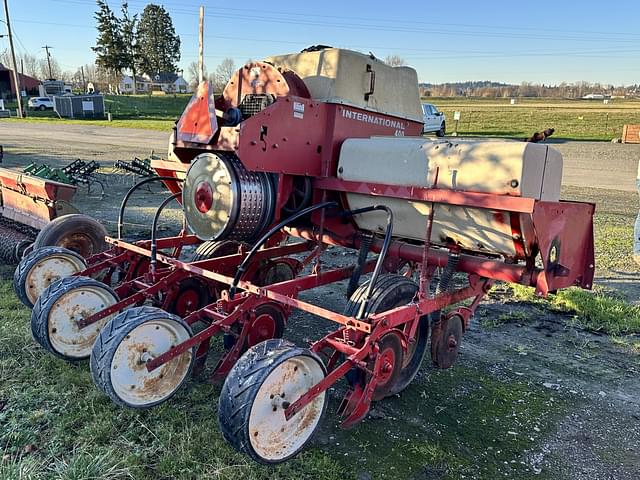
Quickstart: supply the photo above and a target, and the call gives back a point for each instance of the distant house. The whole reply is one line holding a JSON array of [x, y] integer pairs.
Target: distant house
[[143, 84], [7, 87], [166, 82], [169, 82]]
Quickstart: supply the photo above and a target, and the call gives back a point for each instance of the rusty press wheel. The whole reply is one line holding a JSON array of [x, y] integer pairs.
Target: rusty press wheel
[[445, 341], [391, 291], [41, 268], [80, 233], [55, 316], [126, 343], [258, 390]]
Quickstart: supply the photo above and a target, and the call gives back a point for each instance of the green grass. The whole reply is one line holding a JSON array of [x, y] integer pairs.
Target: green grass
[[144, 124], [128, 111], [572, 119], [600, 310]]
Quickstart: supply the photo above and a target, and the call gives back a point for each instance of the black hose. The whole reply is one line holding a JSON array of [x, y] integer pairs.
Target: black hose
[[130, 192], [154, 225], [243, 266], [383, 251]]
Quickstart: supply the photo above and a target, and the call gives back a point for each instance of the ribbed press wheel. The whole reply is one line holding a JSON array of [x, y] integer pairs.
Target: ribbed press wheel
[[41, 268], [256, 393], [223, 200], [127, 343]]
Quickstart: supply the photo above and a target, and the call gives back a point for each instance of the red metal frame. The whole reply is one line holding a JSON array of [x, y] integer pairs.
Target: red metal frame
[[296, 136]]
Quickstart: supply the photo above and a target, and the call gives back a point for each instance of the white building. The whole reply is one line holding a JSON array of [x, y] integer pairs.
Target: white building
[[162, 82], [143, 84], [169, 82]]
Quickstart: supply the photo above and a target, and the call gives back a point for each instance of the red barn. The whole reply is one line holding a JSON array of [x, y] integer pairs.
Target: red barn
[[7, 88]]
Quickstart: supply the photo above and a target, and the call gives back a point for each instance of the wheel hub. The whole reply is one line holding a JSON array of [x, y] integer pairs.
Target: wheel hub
[[64, 333], [203, 197], [129, 375], [271, 435]]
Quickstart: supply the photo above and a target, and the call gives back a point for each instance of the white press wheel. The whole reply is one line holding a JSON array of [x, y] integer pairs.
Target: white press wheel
[[55, 316], [119, 356], [255, 395], [41, 268]]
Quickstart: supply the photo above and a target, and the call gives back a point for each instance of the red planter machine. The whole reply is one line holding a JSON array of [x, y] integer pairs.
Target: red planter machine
[[291, 159]]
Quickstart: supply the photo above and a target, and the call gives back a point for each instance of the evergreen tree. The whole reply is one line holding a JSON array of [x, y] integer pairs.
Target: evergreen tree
[[109, 44], [131, 51], [159, 46]]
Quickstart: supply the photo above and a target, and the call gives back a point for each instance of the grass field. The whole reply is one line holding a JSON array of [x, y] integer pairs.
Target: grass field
[[572, 119]]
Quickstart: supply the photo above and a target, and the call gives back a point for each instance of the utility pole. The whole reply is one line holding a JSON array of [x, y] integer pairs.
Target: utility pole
[[47, 47], [201, 48], [84, 84], [16, 78]]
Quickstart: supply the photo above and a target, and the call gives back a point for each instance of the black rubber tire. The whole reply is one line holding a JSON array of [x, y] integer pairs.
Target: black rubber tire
[[242, 385], [390, 291], [443, 130], [28, 262], [42, 108], [42, 308], [213, 249], [110, 338], [89, 229]]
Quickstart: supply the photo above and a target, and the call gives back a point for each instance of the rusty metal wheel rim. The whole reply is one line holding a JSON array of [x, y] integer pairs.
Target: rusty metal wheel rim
[[48, 270], [272, 437], [65, 336], [129, 376], [448, 344], [78, 242]]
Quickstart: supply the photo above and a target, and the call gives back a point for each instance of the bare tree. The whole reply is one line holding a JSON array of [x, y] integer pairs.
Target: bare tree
[[193, 74], [394, 60], [43, 68], [224, 72], [30, 63]]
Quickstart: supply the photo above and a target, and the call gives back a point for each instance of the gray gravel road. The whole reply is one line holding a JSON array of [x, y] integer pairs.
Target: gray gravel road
[[586, 164]]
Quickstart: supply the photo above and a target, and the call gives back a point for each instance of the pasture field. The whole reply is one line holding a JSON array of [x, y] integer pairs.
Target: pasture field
[[572, 119]]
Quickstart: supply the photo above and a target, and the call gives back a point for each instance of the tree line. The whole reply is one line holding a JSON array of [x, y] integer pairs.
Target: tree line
[[526, 89]]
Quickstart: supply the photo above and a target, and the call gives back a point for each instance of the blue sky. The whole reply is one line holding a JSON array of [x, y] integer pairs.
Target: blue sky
[[544, 42]]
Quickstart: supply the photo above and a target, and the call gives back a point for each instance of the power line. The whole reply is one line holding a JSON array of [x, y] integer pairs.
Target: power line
[[385, 21]]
